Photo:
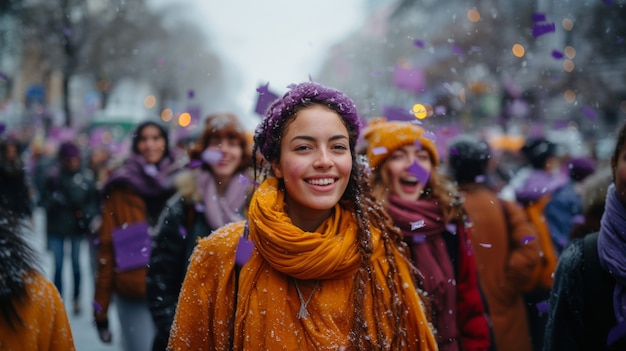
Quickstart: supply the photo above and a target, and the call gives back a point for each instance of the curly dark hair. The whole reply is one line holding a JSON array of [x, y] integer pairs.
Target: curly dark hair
[[357, 198]]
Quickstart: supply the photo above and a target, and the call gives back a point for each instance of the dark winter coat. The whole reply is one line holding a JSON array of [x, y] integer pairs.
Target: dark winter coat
[[70, 199], [181, 224], [581, 301], [179, 229]]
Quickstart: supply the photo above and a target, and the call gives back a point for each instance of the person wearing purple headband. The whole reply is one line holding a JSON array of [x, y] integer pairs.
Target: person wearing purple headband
[[318, 265]]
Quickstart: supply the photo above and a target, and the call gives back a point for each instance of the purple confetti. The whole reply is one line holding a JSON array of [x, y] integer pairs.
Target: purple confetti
[[381, 150], [265, 99], [454, 151], [590, 112], [418, 238], [151, 170], [528, 239], [481, 178], [557, 54], [451, 227], [4, 76], [393, 113], [243, 180], [578, 219], [194, 164], [212, 156], [457, 50], [440, 110], [417, 224], [561, 124], [430, 136], [620, 40], [409, 78], [543, 307], [199, 207], [182, 231], [96, 306], [244, 251], [539, 17], [191, 94], [67, 32], [421, 173], [608, 2], [541, 29], [3, 127], [418, 43]]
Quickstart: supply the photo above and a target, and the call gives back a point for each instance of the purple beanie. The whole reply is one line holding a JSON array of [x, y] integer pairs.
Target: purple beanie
[[268, 133], [580, 168], [68, 150]]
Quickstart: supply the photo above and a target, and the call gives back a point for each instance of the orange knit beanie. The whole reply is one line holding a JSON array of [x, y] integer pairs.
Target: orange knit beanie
[[385, 137]]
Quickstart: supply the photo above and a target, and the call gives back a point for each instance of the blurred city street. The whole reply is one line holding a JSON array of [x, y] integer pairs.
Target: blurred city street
[[83, 328]]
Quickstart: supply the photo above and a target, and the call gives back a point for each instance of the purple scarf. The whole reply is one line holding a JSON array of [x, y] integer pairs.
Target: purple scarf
[[153, 182], [149, 180], [221, 210], [612, 248]]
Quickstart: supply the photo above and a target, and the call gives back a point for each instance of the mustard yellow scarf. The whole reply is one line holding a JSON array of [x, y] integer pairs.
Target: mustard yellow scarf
[[286, 262]]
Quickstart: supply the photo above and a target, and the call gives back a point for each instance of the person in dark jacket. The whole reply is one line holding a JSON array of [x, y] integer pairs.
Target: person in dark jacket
[[15, 194], [588, 295], [69, 197], [214, 192]]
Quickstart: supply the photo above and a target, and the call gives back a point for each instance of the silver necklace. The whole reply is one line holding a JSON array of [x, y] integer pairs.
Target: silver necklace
[[303, 313]]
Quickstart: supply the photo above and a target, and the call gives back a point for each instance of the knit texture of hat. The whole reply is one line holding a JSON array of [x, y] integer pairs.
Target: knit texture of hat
[[385, 137], [268, 133]]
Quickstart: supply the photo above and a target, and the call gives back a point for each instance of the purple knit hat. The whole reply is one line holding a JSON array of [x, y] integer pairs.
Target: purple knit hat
[[68, 150], [268, 133], [581, 167]]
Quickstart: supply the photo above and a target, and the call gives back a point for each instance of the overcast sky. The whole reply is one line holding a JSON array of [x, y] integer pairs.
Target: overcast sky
[[275, 41]]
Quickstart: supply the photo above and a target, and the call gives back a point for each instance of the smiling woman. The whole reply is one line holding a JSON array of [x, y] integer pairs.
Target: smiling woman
[[327, 271]]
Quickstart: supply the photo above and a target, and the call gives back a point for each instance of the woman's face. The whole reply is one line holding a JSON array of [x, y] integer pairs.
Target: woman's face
[[151, 144], [403, 182], [315, 162], [232, 154], [619, 174]]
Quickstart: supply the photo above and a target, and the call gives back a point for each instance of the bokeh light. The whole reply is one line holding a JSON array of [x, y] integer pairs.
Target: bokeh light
[[149, 101], [166, 115], [518, 50], [184, 119], [567, 24], [473, 15], [569, 95], [419, 111], [570, 52], [568, 65]]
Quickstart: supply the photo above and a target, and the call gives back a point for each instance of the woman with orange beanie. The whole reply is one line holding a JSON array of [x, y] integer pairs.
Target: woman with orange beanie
[[326, 269], [426, 207]]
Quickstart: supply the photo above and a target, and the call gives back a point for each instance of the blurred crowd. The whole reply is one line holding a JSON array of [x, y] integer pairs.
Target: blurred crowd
[[315, 232]]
